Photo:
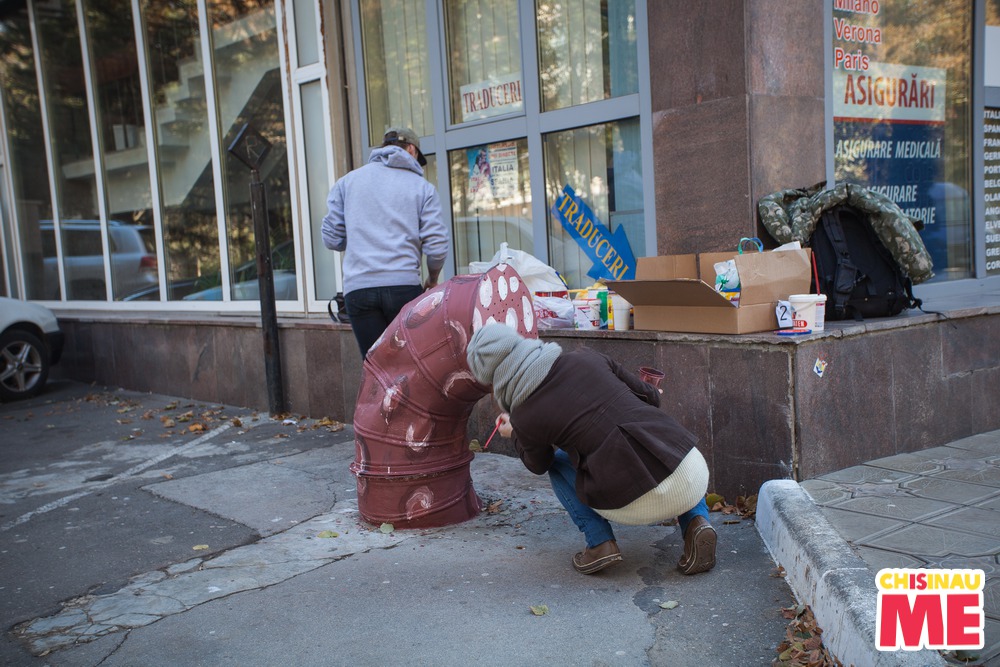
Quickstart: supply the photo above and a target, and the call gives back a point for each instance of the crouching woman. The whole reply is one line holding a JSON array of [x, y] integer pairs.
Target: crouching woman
[[597, 430]]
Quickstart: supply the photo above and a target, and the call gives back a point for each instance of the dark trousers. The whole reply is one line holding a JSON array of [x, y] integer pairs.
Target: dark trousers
[[372, 309]]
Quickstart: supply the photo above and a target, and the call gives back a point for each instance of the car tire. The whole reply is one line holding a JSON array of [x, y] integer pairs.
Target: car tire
[[24, 365]]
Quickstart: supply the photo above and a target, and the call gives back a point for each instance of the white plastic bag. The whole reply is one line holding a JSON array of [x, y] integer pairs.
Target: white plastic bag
[[538, 276], [553, 312]]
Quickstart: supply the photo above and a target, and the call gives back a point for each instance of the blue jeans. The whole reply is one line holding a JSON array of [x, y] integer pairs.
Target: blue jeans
[[595, 528], [372, 310]]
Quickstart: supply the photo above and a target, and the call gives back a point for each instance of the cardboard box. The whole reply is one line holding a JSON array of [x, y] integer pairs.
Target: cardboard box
[[677, 293]]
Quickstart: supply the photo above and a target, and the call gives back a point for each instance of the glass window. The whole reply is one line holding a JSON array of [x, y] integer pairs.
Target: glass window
[[248, 92], [184, 152], [490, 200], [902, 122], [318, 184], [69, 131], [484, 58], [30, 196], [122, 133], [397, 70], [603, 166], [305, 32], [586, 51]]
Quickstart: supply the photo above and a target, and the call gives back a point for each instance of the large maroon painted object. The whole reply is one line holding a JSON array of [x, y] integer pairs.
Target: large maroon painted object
[[411, 453]]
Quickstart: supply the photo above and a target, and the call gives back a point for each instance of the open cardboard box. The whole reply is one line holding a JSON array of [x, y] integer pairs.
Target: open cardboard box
[[676, 293]]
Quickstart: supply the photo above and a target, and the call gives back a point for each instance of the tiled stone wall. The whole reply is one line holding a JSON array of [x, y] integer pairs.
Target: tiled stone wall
[[756, 403], [737, 96]]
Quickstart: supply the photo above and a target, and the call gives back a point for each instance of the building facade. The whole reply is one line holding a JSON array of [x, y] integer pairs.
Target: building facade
[[119, 191]]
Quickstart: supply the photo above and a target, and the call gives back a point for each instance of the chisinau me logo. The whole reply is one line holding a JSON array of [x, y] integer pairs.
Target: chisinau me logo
[[932, 609]]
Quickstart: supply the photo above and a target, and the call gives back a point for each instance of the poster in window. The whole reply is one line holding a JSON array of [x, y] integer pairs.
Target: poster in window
[[493, 171], [890, 121], [991, 171]]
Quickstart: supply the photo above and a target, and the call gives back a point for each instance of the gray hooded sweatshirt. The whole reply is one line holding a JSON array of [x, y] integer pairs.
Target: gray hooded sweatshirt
[[383, 216]]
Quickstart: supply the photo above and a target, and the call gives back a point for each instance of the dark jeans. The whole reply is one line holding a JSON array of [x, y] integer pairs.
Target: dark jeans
[[372, 309]]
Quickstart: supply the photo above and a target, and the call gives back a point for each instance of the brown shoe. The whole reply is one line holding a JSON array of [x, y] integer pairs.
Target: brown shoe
[[699, 547], [592, 559]]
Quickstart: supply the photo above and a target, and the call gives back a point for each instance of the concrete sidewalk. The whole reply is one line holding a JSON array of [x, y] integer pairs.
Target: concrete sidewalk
[[127, 538], [936, 508], [271, 565]]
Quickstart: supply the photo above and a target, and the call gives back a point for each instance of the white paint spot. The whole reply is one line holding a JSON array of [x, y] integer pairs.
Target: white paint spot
[[529, 314], [486, 292], [511, 319], [514, 283], [477, 320], [502, 287], [421, 499]]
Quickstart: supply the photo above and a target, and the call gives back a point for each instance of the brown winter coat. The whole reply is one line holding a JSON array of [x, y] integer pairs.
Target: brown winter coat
[[609, 423]]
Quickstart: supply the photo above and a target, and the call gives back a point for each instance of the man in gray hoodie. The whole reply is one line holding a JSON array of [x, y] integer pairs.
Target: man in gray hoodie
[[384, 216]]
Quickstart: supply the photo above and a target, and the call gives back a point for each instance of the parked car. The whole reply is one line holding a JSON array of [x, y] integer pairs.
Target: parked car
[[246, 286], [133, 258], [30, 343]]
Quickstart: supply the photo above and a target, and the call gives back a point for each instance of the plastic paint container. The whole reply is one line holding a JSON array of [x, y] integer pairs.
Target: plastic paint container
[[809, 311]]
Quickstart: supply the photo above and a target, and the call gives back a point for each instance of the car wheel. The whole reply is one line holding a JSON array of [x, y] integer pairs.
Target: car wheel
[[24, 365]]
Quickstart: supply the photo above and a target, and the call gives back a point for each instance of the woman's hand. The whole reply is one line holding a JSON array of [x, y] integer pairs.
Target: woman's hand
[[503, 425]]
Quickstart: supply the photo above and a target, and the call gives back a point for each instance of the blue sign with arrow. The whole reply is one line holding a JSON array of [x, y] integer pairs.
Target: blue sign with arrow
[[611, 252]]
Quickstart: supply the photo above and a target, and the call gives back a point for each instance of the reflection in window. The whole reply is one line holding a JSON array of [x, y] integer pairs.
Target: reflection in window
[[28, 170], [587, 51], [248, 91], [111, 38], [915, 152], [397, 74], [490, 200], [184, 153], [317, 182], [69, 130], [603, 165], [484, 58]]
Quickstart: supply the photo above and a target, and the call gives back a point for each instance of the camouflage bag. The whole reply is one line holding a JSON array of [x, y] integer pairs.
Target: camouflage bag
[[867, 251], [792, 215]]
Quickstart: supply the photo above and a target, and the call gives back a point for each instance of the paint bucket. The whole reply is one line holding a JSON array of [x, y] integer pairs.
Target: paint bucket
[[411, 446], [620, 313], [588, 313], [809, 311], [651, 376]]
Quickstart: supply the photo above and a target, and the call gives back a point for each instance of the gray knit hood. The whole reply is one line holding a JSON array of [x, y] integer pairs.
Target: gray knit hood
[[512, 364]]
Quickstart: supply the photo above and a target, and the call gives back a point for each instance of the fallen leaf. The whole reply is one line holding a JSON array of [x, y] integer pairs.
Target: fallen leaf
[[170, 406], [168, 422], [539, 610], [185, 417], [778, 571], [195, 427], [236, 422], [494, 507], [167, 475], [328, 533], [669, 604], [200, 547], [474, 446], [713, 499], [386, 528], [124, 421]]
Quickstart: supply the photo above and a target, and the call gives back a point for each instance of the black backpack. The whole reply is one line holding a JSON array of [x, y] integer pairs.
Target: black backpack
[[855, 271]]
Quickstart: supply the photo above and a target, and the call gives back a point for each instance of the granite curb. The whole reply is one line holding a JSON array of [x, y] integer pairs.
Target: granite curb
[[826, 574]]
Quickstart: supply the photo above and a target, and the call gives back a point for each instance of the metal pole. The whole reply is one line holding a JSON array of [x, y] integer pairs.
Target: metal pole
[[265, 280]]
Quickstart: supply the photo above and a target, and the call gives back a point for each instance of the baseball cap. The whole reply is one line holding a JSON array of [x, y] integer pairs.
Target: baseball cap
[[404, 135]]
